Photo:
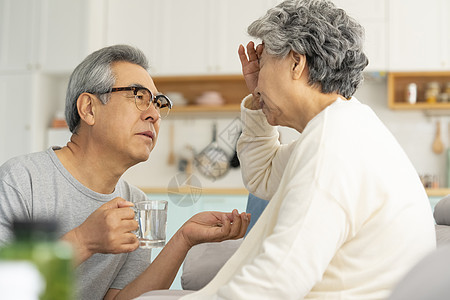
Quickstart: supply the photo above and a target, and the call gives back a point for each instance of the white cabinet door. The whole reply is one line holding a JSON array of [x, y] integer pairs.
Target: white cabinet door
[[418, 35], [15, 115], [65, 36], [136, 23], [183, 35], [48, 35], [173, 34], [230, 21], [371, 14], [19, 34], [445, 40]]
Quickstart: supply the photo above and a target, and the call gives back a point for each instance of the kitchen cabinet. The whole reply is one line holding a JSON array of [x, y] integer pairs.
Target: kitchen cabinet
[[173, 40], [398, 82], [70, 30], [40, 40], [230, 21], [142, 27], [372, 15], [50, 36], [28, 101], [203, 41], [15, 114], [63, 20], [419, 35], [19, 35]]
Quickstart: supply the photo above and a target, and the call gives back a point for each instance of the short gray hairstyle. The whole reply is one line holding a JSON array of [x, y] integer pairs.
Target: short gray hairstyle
[[331, 41], [94, 75]]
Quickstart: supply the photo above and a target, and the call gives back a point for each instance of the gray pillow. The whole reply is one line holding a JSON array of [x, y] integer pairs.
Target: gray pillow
[[442, 235], [442, 211], [204, 261], [428, 280]]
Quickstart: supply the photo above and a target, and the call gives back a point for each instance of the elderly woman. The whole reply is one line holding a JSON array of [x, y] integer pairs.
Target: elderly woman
[[347, 216]]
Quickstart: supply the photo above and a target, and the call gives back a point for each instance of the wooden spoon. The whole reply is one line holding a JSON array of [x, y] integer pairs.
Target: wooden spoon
[[171, 158], [438, 146]]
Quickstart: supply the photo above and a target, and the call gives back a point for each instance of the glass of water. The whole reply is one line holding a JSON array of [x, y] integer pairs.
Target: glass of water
[[152, 218]]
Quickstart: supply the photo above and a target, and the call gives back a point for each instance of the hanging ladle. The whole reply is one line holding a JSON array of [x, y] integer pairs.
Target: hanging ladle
[[438, 146]]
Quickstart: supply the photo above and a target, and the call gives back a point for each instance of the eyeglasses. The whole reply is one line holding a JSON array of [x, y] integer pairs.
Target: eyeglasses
[[143, 98]]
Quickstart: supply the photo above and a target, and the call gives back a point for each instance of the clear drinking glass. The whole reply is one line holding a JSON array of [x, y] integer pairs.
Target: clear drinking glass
[[152, 218]]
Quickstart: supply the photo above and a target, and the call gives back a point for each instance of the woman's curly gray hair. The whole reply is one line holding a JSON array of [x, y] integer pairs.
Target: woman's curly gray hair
[[331, 41]]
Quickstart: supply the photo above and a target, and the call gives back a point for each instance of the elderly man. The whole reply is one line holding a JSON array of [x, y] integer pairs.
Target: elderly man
[[114, 111]]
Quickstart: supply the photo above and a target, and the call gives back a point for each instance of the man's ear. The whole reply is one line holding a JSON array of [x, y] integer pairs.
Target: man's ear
[[298, 64], [86, 110]]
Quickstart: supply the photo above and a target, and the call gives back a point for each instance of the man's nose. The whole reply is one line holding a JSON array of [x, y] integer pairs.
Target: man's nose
[[151, 114]]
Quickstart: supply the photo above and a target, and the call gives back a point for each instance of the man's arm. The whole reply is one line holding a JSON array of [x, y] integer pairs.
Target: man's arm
[[203, 227]]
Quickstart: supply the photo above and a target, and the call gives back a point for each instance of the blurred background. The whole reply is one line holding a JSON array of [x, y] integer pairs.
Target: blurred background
[[192, 48]]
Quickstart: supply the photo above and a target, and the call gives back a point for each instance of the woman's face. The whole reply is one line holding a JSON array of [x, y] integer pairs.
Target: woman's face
[[274, 88]]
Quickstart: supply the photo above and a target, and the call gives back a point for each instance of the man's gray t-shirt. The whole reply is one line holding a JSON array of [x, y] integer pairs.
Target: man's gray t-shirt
[[36, 186]]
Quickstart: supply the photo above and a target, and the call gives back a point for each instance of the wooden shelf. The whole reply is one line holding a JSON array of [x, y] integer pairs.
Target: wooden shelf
[[232, 88], [420, 105], [398, 81], [242, 191], [204, 191], [205, 108], [438, 192]]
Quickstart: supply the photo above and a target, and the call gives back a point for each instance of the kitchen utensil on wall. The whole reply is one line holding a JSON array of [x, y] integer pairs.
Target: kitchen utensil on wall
[[234, 160], [212, 162], [171, 157], [438, 146]]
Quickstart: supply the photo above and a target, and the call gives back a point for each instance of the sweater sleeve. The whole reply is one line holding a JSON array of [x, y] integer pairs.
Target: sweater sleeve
[[262, 157], [299, 250]]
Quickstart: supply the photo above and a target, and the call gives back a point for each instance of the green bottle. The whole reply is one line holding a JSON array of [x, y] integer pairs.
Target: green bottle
[[36, 242]]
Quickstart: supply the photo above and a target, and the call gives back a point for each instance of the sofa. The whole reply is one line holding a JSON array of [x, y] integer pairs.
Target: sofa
[[429, 279], [204, 261]]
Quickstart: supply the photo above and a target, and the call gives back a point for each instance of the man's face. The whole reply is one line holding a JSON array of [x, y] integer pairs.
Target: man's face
[[123, 130]]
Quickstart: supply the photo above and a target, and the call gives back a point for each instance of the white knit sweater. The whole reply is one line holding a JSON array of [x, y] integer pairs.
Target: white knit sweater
[[348, 215]]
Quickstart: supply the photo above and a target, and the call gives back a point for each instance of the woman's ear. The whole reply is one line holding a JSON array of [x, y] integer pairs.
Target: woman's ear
[[86, 110], [298, 64]]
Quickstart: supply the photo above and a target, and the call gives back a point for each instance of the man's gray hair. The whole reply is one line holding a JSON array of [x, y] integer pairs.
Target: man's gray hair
[[331, 41], [94, 75]]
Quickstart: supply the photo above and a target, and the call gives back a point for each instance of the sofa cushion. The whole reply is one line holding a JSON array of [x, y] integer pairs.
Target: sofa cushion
[[203, 261], [442, 235], [426, 280], [442, 211]]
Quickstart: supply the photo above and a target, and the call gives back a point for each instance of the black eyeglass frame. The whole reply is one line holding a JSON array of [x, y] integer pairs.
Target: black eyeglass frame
[[154, 98]]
